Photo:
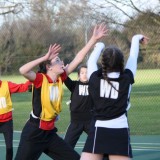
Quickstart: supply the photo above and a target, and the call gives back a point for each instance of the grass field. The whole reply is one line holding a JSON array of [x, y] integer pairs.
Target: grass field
[[144, 115]]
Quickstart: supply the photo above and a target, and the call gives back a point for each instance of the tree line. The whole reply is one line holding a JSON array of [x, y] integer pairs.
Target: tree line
[[27, 33]]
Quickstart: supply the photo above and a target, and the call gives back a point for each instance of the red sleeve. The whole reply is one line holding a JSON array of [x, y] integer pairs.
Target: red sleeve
[[64, 76], [15, 88], [38, 81]]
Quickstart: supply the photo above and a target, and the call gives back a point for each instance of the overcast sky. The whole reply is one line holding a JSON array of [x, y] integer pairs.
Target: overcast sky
[[153, 5]]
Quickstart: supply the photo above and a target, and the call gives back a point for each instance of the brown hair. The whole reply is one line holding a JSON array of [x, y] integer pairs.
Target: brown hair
[[81, 66], [112, 61], [42, 66]]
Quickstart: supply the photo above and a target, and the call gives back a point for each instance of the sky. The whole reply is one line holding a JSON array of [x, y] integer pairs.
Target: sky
[[138, 3], [153, 5], [142, 4]]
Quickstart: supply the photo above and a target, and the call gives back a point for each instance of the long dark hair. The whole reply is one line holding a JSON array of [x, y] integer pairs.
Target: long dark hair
[[42, 66], [112, 61]]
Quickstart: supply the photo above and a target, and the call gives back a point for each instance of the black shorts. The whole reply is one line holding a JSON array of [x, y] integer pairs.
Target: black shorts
[[108, 141]]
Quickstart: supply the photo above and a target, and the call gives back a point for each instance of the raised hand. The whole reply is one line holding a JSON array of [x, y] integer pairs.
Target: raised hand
[[100, 31], [53, 51], [144, 40]]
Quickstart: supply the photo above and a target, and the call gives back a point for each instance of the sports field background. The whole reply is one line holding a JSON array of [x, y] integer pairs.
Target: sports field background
[[144, 115], [29, 27]]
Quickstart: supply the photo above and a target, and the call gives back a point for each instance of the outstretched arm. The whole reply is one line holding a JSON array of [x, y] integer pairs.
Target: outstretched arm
[[16, 88], [26, 70], [92, 61], [134, 51], [99, 32]]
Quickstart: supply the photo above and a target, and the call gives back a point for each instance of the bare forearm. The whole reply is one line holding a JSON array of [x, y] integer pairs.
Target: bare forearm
[[80, 55], [30, 65], [99, 32], [83, 52]]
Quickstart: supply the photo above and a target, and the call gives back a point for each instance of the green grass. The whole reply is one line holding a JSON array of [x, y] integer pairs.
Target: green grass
[[145, 102], [144, 115]]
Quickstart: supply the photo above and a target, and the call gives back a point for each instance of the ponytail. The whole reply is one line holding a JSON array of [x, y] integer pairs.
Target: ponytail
[[112, 61]]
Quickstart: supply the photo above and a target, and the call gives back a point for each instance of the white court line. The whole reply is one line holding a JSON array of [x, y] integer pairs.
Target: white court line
[[153, 149], [18, 131], [139, 146], [147, 143], [13, 141], [139, 149], [14, 146], [146, 147], [134, 149], [131, 143]]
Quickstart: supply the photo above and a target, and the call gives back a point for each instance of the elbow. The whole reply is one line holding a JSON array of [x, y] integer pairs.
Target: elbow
[[21, 71]]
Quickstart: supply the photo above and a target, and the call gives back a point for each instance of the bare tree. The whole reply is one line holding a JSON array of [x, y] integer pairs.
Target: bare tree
[[118, 11], [7, 7]]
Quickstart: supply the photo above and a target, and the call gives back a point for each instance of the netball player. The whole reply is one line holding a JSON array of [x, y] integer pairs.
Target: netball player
[[80, 107], [7, 88], [110, 88], [39, 134]]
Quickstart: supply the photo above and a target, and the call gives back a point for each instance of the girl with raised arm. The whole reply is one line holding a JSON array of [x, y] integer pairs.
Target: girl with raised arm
[[39, 134]]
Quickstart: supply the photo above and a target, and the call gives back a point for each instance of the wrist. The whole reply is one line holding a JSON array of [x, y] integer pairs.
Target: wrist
[[93, 39], [44, 58], [100, 45]]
